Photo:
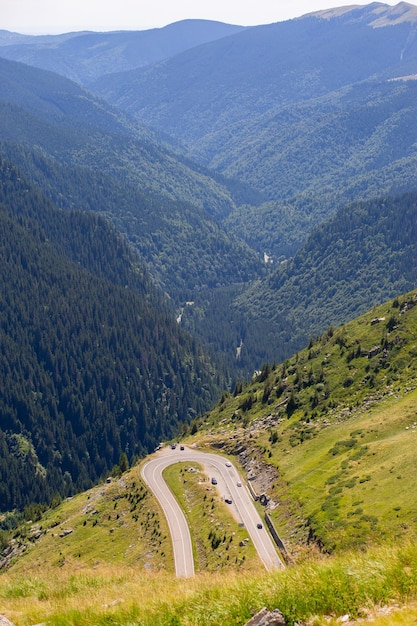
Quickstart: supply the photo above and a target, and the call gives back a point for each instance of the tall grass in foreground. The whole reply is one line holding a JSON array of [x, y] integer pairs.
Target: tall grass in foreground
[[331, 587]]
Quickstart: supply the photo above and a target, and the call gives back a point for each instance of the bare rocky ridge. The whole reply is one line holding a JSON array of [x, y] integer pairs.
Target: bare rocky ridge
[[384, 15]]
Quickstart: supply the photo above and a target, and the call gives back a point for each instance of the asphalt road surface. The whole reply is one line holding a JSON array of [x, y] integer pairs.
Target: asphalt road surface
[[227, 477]]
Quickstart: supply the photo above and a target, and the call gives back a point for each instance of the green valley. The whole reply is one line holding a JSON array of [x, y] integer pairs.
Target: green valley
[[208, 244]]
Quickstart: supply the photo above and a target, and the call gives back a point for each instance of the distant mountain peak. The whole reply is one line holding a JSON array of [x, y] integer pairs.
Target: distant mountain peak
[[377, 14], [392, 15], [328, 14]]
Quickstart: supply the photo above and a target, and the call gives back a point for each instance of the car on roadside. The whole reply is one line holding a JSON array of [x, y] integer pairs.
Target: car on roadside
[[228, 464], [214, 481], [228, 501], [181, 447]]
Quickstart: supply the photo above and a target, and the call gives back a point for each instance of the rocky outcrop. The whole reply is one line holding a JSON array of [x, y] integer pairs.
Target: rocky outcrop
[[12, 551], [267, 618]]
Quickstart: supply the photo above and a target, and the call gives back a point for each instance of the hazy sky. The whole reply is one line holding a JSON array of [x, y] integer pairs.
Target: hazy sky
[[59, 16]]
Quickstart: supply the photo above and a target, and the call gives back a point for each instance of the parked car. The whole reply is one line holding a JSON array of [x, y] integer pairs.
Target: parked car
[[181, 447], [228, 501], [214, 481], [228, 464]]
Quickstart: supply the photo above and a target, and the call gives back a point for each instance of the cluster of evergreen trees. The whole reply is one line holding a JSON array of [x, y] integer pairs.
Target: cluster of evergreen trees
[[93, 364]]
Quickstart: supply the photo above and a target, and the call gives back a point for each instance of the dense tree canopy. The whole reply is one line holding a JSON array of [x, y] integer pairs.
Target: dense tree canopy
[[93, 364]]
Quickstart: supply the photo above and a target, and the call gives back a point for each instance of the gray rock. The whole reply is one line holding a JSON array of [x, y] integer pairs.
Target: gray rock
[[5, 622], [267, 618]]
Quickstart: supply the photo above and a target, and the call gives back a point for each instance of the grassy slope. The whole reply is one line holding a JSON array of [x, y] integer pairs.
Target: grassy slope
[[340, 427], [217, 539], [356, 480], [112, 524], [337, 426]]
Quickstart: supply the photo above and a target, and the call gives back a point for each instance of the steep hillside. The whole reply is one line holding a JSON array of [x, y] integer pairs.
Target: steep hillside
[[305, 111], [93, 363], [358, 259], [69, 124], [329, 435], [264, 67], [203, 237], [313, 158], [86, 56], [328, 439], [83, 154]]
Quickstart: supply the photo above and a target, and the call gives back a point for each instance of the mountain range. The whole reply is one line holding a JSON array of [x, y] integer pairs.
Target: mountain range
[[263, 180], [86, 56], [303, 110]]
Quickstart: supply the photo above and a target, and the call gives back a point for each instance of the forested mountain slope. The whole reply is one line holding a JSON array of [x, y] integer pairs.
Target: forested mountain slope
[[204, 90], [305, 111], [313, 131], [85, 56], [84, 154], [93, 363], [73, 126], [364, 255], [314, 158]]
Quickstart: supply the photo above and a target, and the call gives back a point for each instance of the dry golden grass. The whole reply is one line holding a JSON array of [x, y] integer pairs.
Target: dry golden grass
[[318, 592]]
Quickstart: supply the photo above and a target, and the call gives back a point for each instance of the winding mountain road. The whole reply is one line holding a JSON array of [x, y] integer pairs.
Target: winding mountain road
[[227, 477]]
